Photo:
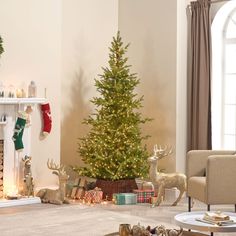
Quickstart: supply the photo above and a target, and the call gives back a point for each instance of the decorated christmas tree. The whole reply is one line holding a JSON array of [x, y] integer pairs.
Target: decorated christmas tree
[[113, 148]]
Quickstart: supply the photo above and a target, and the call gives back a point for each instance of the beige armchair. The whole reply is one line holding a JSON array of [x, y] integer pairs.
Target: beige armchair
[[211, 177]]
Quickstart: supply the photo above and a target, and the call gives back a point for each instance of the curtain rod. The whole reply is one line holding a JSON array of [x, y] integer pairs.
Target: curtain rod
[[211, 2], [215, 1]]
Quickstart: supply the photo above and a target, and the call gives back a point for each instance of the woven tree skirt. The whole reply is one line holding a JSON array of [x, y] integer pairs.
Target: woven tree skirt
[[118, 186]]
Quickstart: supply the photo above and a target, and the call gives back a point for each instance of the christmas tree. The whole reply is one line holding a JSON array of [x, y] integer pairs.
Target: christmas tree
[[1, 47], [113, 148]]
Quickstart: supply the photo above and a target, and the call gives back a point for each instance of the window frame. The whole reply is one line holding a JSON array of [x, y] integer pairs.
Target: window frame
[[220, 142]]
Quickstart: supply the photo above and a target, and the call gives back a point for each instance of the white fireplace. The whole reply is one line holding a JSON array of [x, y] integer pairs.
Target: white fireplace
[[11, 158], [11, 172]]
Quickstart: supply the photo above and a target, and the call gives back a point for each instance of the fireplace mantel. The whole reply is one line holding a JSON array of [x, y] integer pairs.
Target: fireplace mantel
[[19, 101]]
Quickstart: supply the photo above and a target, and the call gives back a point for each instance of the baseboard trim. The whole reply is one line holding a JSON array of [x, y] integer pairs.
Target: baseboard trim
[[19, 202]]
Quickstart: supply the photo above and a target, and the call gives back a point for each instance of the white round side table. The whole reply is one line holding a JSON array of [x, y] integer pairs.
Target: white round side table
[[188, 220]]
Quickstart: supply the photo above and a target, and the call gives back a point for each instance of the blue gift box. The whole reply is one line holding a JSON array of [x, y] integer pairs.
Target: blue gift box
[[124, 198]]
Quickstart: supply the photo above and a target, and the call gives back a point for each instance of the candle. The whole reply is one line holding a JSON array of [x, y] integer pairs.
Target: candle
[[18, 93]]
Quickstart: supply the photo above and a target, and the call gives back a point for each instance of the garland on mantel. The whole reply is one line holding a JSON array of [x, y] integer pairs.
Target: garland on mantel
[[1, 47]]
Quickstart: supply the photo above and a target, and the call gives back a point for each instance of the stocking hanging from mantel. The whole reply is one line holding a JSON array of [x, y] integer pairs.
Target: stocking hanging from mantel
[[46, 119], [18, 132]]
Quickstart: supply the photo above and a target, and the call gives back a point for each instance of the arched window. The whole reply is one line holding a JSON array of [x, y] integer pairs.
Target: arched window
[[224, 78]]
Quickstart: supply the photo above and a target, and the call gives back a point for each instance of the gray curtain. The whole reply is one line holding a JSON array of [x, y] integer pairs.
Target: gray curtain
[[199, 79]]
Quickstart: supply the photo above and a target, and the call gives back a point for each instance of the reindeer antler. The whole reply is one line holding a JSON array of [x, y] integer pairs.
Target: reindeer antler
[[53, 166], [155, 149], [162, 152]]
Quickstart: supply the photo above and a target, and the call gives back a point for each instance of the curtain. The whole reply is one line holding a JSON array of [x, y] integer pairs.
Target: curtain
[[199, 80]]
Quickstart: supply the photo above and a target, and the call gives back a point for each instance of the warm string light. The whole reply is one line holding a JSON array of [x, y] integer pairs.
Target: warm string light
[[113, 147]]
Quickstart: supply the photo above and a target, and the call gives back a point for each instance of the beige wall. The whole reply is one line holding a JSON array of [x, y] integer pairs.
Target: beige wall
[[87, 30], [151, 28], [181, 86], [31, 30], [157, 54], [66, 42]]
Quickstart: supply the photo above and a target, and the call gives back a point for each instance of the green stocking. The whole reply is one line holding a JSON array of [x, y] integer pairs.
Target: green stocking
[[18, 133]]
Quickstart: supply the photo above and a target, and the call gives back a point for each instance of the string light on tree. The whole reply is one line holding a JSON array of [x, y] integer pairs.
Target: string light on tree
[[113, 147]]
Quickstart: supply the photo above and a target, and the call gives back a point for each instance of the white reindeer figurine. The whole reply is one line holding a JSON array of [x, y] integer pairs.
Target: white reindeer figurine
[[55, 196], [162, 180]]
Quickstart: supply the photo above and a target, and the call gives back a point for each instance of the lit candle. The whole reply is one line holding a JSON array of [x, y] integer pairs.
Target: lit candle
[[18, 93]]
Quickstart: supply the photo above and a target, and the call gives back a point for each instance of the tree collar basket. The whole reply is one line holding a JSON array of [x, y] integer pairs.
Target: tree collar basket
[[117, 186]]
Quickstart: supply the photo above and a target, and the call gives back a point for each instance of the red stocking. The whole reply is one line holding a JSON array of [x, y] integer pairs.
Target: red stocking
[[47, 119]]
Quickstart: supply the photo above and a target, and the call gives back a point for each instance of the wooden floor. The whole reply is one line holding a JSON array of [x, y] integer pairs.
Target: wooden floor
[[185, 233], [83, 220]]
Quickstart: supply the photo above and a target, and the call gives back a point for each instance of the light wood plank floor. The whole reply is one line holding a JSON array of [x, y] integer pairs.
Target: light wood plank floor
[[82, 220]]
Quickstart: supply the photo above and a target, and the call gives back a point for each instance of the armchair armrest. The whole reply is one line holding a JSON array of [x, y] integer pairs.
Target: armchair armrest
[[197, 161], [221, 179]]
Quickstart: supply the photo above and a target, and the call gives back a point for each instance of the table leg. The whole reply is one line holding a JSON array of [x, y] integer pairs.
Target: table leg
[[190, 202]]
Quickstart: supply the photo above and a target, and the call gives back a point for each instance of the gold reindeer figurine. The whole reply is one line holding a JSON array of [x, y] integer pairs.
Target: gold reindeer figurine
[[165, 181], [55, 196]]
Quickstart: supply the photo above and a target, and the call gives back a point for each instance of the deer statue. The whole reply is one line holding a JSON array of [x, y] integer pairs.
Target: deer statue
[[165, 181], [55, 196], [28, 186]]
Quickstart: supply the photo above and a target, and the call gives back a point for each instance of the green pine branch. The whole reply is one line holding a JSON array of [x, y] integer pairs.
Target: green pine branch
[[113, 147], [1, 46]]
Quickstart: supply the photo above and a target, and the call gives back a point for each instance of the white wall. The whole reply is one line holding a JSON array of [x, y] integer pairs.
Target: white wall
[[151, 28], [181, 86], [87, 30], [31, 31]]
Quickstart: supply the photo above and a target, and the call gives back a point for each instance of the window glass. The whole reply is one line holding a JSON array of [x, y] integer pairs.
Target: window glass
[[230, 58], [224, 78], [230, 89], [229, 142], [229, 120], [231, 29]]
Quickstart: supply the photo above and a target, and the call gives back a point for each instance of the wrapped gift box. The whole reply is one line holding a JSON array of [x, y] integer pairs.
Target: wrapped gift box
[[80, 193], [144, 196], [153, 200], [147, 186], [78, 189], [94, 196], [124, 198]]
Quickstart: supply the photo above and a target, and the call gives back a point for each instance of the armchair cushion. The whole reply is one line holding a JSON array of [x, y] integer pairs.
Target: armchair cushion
[[221, 179], [197, 160], [197, 188]]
